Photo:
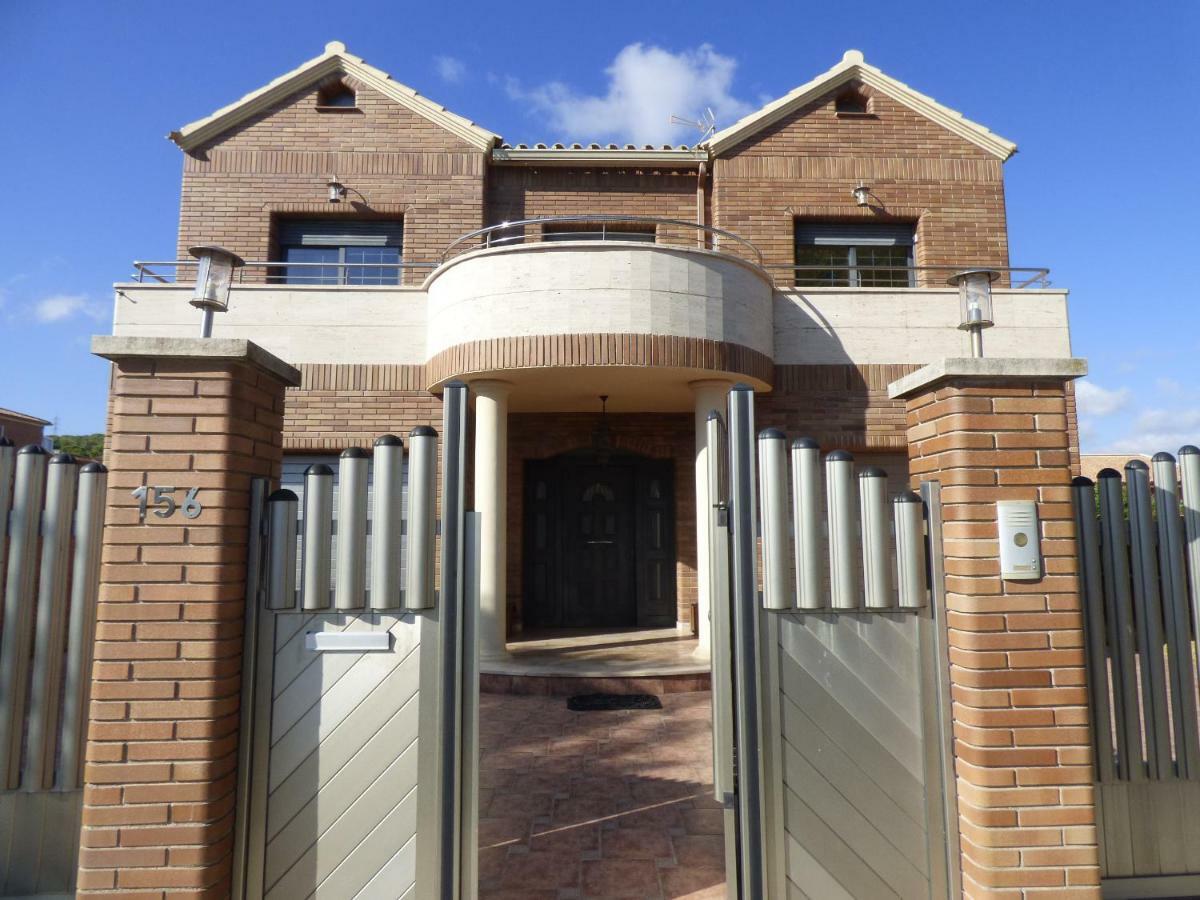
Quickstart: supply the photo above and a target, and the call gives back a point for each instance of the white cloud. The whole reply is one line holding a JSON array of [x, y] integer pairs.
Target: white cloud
[[59, 307], [1155, 430], [646, 86], [449, 69], [1094, 400]]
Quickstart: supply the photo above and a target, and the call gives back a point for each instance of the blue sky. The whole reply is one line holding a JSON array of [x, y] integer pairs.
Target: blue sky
[[1101, 98]]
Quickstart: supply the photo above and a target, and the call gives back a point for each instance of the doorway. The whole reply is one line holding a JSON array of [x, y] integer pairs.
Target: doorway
[[599, 547]]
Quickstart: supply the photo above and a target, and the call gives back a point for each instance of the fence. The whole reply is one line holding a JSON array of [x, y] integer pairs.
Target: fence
[[836, 752], [358, 722], [51, 520], [1139, 544]]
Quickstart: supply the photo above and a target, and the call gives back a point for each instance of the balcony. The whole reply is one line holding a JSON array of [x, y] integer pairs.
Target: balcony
[[611, 303]]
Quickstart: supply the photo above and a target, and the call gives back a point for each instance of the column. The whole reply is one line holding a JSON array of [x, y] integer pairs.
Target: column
[[491, 502], [989, 430], [198, 418], [709, 394]]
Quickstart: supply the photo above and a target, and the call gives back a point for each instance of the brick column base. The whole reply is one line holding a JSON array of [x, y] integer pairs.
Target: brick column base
[[992, 430], [163, 724]]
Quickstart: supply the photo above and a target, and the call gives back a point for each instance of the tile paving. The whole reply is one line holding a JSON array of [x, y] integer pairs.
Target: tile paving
[[597, 804]]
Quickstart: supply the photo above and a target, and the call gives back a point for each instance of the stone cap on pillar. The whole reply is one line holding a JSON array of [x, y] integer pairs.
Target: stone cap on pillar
[[119, 347], [989, 369]]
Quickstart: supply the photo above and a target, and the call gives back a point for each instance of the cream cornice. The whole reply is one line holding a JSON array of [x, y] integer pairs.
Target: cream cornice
[[571, 157], [851, 68], [334, 59]]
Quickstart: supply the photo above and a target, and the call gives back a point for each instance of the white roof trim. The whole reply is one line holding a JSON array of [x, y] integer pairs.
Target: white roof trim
[[570, 157], [334, 59], [853, 67]]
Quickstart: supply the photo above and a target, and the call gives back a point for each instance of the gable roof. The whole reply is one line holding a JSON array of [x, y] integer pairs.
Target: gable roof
[[13, 416], [854, 68], [335, 59]]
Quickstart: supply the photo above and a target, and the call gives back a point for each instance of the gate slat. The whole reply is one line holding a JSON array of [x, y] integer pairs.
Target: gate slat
[[1092, 597]]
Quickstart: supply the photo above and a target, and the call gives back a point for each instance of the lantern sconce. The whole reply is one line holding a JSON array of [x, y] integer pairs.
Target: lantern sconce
[[862, 194], [975, 303], [214, 278], [337, 190]]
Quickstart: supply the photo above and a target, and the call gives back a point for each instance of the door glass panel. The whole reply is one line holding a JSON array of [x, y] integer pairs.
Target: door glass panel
[[311, 274], [388, 272]]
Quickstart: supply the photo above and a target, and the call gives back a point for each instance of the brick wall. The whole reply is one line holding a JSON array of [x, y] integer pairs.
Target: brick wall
[[395, 164], [162, 736], [1021, 738], [806, 165]]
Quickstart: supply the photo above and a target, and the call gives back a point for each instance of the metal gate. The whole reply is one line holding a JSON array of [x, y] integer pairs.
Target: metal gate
[[357, 771], [1139, 545], [830, 674]]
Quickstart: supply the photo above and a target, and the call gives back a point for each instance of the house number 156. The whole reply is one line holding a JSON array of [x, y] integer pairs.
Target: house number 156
[[164, 497]]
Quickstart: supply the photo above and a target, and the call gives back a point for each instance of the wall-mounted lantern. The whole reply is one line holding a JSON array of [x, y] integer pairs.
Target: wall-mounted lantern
[[862, 194], [975, 303], [214, 277], [337, 190]]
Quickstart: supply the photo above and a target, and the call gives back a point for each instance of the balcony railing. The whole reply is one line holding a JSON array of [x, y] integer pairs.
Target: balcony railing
[[902, 277], [183, 271], [647, 229]]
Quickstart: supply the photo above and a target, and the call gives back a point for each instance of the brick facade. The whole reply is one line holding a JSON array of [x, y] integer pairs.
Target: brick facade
[[806, 165], [394, 163], [162, 737], [1021, 737]]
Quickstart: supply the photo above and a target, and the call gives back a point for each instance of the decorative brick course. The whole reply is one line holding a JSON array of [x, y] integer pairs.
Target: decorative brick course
[[1024, 757], [162, 738]]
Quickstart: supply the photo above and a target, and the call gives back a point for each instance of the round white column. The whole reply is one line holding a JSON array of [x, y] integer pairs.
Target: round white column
[[491, 502], [709, 394]]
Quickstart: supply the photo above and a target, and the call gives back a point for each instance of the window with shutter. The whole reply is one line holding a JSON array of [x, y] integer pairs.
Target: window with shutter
[[340, 250], [847, 254]]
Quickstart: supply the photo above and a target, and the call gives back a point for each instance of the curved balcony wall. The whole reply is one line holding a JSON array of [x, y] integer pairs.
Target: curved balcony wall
[[600, 303]]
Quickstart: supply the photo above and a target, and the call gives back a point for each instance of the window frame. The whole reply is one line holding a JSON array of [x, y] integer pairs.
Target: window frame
[[854, 270], [389, 274]]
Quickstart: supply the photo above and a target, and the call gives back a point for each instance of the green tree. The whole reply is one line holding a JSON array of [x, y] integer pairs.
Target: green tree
[[90, 446]]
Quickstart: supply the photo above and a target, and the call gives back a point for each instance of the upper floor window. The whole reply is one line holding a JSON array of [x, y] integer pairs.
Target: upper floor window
[[340, 250], [598, 231], [845, 254], [338, 95]]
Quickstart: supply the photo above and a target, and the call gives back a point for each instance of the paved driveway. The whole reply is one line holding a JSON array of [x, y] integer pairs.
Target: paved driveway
[[597, 804]]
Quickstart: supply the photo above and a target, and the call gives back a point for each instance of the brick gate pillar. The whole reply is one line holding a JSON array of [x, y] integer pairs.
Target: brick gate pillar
[[989, 430], [204, 414]]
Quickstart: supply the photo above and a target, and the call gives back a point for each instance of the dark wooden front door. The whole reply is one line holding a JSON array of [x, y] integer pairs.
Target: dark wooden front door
[[599, 542]]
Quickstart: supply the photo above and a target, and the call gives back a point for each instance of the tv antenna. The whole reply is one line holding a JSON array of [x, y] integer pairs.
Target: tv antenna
[[706, 124]]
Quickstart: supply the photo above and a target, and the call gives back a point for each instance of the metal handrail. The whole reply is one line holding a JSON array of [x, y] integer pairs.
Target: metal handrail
[[485, 237], [144, 269], [1027, 276]]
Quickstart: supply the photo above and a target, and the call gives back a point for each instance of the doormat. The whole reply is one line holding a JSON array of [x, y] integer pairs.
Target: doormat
[[595, 702]]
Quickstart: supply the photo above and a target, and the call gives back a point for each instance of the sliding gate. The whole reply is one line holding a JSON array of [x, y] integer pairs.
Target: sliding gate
[[359, 694], [831, 732]]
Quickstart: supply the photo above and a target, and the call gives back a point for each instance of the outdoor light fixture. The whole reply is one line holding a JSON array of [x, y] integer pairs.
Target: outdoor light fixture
[[862, 194], [975, 303], [214, 277], [337, 190]]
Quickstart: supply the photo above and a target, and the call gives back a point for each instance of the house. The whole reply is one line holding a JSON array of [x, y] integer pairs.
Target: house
[[22, 428], [598, 299]]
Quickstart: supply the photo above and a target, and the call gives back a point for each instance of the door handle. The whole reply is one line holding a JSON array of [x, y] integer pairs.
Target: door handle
[[601, 542]]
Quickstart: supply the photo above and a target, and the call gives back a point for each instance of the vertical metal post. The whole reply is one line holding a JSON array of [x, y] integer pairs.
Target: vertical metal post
[[1092, 595], [7, 460], [1118, 612], [281, 550], [349, 585], [422, 517], [751, 854], [806, 516], [318, 532], [931, 494], [840, 509], [81, 628], [907, 517], [717, 521], [877, 572], [773, 511], [469, 879], [1189, 469], [50, 630], [247, 840], [1148, 610], [454, 465], [17, 636], [387, 523], [1181, 677]]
